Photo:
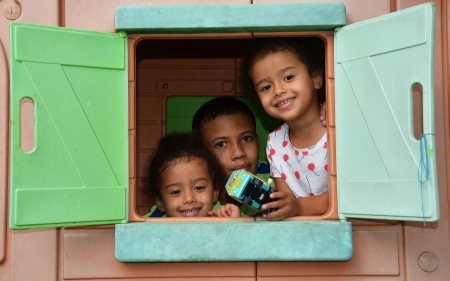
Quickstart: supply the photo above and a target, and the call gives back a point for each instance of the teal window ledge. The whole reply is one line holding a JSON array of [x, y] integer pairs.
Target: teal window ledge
[[230, 18], [233, 241]]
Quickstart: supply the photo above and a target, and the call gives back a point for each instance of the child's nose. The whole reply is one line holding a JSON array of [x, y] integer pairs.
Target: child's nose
[[278, 89], [238, 151], [189, 197]]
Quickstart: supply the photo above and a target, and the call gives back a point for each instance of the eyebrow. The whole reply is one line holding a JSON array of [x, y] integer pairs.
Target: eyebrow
[[225, 138], [248, 132], [172, 184], [278, 72], [198, 179]]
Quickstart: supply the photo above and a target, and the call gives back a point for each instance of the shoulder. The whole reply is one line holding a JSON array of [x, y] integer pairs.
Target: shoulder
[[155, 213], [281, 128], [278, 134]]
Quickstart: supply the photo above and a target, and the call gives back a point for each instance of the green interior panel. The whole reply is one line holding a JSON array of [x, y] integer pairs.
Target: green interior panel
[[378, 62], [181, 110], [234, 241], [230, 18], [77, 173]]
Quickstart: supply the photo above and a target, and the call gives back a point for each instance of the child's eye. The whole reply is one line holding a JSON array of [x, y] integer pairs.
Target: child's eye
[[265, 88], [247, 138], [199, 188], [175, 192], [221, 144], [289, 77]]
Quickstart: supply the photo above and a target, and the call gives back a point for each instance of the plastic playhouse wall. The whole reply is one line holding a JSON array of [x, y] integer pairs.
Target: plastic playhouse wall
[[382, 250]]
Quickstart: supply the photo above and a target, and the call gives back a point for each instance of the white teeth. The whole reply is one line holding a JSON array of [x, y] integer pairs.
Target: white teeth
[[190, 211], [286, 102]]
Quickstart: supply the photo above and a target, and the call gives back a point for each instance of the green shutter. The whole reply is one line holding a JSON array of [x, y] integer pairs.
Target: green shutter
[[378, 62], [77, 173]]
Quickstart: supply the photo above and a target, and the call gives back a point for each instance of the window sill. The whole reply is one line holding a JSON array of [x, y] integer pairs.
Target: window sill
[[209, 241]]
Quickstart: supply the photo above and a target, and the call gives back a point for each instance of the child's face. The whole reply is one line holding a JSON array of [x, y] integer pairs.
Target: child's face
[[286, 90], [233, 140], [187, 190]]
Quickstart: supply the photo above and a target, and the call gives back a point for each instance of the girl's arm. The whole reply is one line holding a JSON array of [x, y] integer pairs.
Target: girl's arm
[[288, 205], [314, 205]]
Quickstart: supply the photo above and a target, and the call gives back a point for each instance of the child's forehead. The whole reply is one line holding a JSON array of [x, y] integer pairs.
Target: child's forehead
[[185, 160], [280, 53], [237, 120]]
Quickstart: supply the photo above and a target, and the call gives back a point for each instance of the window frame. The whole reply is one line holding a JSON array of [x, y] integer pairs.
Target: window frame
[[328, 39]]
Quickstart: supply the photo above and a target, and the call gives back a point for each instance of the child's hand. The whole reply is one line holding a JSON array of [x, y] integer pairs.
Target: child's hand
[[227, 211], [286, 204], [323, 114]]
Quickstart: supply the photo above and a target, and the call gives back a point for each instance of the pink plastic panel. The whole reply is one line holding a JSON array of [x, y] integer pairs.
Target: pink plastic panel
[[89, 254], [376, 252], [84, 13], [357, 10]]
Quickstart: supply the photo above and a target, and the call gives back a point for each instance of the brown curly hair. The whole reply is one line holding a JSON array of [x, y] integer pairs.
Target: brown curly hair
[[173, 149]]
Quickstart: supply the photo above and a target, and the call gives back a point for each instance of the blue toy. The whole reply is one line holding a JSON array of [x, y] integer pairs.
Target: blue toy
[[250, 190]]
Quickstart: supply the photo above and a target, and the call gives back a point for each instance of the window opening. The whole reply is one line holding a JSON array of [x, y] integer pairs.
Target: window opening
[[192, 69]]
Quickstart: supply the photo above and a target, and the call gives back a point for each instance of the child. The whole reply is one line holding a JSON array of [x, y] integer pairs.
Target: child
[[287, 77], [227, 127], [184, 177]]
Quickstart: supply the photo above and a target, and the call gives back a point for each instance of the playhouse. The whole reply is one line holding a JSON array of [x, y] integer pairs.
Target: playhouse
[[88, 87]]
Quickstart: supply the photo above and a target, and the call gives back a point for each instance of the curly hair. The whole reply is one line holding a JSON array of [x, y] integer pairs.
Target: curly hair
[[221, 106], [175, 148], [309, 50]]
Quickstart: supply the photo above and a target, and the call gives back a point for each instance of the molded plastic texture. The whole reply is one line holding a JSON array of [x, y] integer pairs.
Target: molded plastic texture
[[234, 241], [378, 63], [77, 174], [230, 18]]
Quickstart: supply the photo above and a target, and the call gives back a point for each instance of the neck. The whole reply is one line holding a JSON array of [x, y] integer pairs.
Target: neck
[[306, 131]]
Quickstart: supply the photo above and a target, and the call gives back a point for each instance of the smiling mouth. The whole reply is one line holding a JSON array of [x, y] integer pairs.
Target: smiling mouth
[[190, 213], [243, 167], [285, 103]]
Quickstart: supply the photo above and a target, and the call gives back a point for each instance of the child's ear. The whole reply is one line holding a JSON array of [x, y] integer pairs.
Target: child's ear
[[159, 204], [317, 79]]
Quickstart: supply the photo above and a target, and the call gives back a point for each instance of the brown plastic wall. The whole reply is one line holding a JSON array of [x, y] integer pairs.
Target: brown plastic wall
[[382, 251]]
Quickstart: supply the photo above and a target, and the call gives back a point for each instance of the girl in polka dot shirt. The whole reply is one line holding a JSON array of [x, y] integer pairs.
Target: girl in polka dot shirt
[[287, 76]]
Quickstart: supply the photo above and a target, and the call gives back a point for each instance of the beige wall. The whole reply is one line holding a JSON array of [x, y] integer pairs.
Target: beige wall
[[382, 251]]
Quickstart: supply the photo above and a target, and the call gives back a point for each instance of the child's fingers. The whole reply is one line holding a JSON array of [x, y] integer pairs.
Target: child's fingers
[[277, 215], [285, 206], [233, 211], [222, 212], [212, 213], [278, 195], [273, 205], [229, 210]]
